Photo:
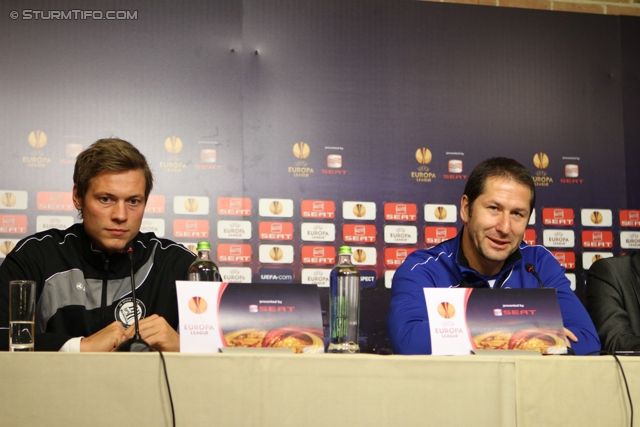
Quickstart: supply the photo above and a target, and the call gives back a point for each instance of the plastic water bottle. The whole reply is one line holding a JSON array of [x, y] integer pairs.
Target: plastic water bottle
[[203, 269], [344, 305]]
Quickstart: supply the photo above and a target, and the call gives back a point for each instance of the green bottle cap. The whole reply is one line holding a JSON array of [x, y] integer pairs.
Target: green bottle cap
[[344, 250], [204, 246]]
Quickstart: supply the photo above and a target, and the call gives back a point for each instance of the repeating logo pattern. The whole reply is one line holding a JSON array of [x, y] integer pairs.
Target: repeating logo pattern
[[285, 233]]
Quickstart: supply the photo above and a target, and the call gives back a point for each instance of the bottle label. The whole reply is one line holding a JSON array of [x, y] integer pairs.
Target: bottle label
[[341, 318]]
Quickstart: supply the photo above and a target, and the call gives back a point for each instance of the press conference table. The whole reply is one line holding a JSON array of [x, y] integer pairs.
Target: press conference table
[[51, 389]]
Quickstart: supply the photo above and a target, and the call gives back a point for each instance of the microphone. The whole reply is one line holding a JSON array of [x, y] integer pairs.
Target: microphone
[[135, 344], [530, 269]]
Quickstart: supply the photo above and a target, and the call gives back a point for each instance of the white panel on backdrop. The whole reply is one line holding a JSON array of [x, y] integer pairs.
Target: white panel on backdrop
[[572, 280], [316, 276], [388, 278], [596, 217], [153, 225], [588, 258], [558, 238], [401, 234], [279, 208], [46, 222], [6, 246], [192, 246], [234, 230], [440, 213], [359, 210], [364, 255], [14, 199], [236, 274], [189, 205], [317, 232], [275, 254], [630, 239]]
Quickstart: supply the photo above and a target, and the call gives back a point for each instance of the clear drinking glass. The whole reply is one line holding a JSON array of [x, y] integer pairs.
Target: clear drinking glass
[[22, 315]]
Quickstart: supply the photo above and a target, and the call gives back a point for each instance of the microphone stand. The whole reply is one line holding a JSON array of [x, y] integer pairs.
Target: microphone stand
[[531, 269], [135, 344]]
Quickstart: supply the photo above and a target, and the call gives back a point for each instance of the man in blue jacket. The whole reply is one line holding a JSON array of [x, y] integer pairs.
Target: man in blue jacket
[[488, 252]]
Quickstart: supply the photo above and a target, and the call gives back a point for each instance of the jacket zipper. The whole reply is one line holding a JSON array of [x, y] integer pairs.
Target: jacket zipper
[[504, 278], [103, 302]]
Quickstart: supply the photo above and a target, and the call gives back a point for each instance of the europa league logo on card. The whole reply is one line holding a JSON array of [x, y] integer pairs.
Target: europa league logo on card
[[446, 310], [9, 199], [276, 253], [275, 207], [440, 213], [359, 210], [360, 256], [6, 247], [198, 305], [191, 205]]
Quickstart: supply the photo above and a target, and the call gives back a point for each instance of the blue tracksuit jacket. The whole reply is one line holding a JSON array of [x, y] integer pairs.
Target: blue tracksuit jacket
[[445, 266]]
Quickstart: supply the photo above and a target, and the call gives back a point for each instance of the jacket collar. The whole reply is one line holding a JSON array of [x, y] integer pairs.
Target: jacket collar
[[96, 257], [468, 272]]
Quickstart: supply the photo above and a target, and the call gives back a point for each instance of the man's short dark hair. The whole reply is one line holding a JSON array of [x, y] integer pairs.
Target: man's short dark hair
[[498, 167], [110, 155]]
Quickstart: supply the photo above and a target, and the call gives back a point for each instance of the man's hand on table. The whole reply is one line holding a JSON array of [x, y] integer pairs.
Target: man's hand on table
[[106, 339], [569, 336], [156, 332]]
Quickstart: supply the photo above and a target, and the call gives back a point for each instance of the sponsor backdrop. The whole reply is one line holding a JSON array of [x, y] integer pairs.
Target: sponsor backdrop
[[281, 130]]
